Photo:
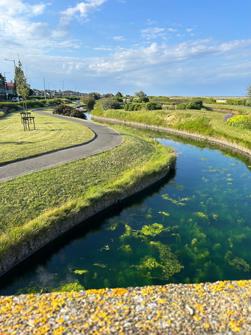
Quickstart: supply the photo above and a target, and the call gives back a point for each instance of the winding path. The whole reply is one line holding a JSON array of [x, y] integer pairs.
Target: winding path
[[106, 139]]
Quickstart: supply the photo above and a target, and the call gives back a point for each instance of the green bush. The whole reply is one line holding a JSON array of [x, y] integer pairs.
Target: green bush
[[248, 102], [111, 103], [133, 106], [181, 106], [30, 104], [89, 101], [153, 106], [69, 111], [240, 121], [196, 104]]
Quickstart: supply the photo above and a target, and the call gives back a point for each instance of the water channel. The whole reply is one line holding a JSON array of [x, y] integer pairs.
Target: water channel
[[192, 227]]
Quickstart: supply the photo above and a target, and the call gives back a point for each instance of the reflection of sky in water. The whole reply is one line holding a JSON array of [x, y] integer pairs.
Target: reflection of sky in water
[[194, 228]]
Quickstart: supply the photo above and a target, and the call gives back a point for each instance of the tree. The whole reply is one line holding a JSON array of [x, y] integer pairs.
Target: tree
[[22, 87], [142, 96], [119, 95], [89, 101]]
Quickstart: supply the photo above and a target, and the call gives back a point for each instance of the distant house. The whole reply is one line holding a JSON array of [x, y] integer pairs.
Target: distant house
[[7, 89], [2, 87], [11, 88]]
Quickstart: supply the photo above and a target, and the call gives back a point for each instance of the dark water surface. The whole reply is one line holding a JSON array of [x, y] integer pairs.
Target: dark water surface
[[195, 227]]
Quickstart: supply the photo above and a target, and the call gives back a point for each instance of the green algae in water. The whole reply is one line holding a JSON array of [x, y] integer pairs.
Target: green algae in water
[[80, 272], [71, 287], [152, 230], [201, 215], [192, 229], [164, 213]]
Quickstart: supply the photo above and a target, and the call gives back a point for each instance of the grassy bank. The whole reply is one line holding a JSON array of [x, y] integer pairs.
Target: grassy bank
[[233, 108], [36, 202], [50, 134], [208, 123]]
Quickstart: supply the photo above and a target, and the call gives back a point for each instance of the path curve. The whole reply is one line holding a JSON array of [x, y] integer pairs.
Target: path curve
[[106, 139]]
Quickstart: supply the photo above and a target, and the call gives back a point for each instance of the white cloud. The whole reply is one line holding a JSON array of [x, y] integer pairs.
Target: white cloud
[[189, 30], [147, 64], [82, 9], [153, 32], [102, 49], [38, 9], [162, 54], [15, 7], [118, 38], [22, 33]]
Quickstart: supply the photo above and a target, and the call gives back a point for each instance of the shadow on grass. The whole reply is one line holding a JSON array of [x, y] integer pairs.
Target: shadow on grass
[[17, 143]]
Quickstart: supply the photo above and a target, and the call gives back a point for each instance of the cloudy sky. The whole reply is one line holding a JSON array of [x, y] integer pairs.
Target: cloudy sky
[[164, 47]]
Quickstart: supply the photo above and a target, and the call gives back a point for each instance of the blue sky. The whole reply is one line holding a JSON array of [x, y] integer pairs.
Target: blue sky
[[164, 47]]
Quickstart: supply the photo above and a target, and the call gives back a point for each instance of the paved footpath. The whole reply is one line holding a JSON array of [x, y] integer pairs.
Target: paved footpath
[[106, 139]]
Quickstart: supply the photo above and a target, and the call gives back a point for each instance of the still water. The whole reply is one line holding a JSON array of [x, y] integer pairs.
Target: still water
[[193, 227]]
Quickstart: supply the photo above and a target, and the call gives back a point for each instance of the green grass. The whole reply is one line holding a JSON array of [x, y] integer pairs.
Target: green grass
[[35, 202], [234, 108], [51, 134], [209, 123]]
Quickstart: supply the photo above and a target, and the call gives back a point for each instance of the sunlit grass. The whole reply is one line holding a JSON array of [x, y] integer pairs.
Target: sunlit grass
[[50, 134], [35, 202], [209, 123]]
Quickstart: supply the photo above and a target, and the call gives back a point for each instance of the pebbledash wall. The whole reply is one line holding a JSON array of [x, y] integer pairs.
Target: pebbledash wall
[[235, 148], [25, 249]]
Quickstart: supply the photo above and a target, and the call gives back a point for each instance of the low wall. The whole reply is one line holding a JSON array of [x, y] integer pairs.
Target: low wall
[[235, 148], [25, 249]]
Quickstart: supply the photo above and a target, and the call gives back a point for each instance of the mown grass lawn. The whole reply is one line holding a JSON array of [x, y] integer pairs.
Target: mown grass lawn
[[28, 203], [209, 123], [50, 134]]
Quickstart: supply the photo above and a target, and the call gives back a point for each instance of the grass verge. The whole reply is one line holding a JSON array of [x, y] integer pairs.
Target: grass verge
[[35, 203], [208, 123], [50, 134]]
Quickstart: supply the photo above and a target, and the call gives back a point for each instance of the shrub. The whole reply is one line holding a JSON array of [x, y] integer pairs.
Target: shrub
[[69, 111], [181, 106], [240, 121], [141, 96], [248, 102], [132, 106], [89, 101], [196, 104], [153, 106], [111, 103]]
